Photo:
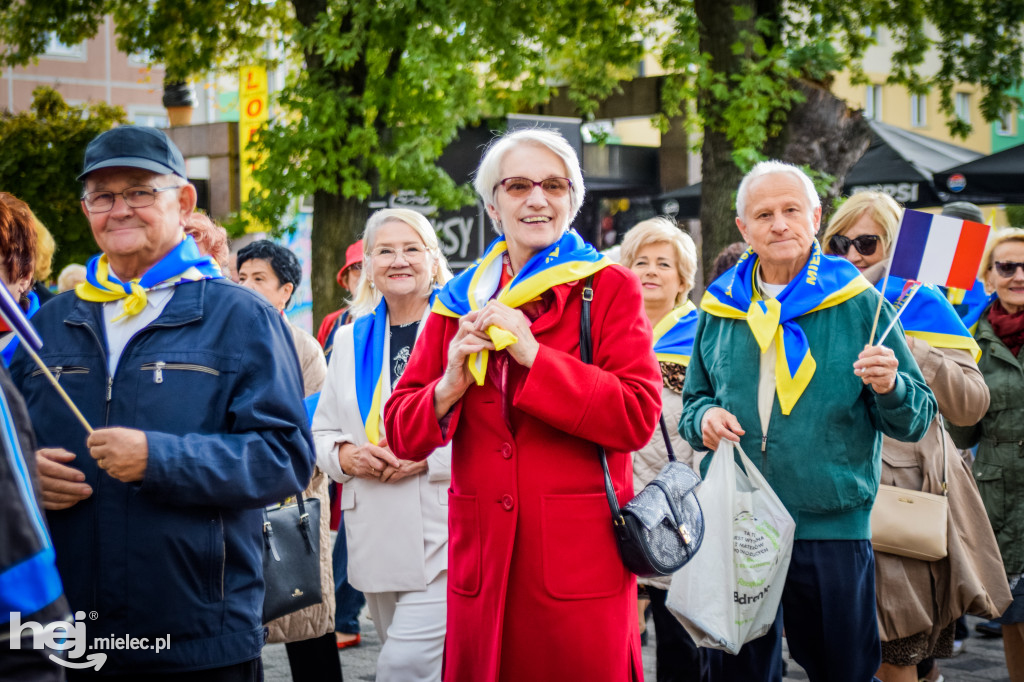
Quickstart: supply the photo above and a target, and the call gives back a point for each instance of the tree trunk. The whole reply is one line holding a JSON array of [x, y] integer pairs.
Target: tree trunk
[[720, 177], [825, 134], [337, 222]]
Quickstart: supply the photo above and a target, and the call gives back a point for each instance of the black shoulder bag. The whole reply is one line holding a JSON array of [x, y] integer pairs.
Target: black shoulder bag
[[291, 557], [661, 528]]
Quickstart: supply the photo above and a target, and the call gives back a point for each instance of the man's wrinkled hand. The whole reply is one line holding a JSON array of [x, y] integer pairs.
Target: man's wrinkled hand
[[63, 486], [122, 453]]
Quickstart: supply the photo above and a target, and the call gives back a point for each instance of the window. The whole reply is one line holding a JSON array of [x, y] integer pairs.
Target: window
[[1004, 124], [919, 111], [873, 102], [55, 48], [140, 116], [962, 106]]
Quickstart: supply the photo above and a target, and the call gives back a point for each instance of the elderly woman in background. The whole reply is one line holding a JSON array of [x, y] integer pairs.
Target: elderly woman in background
[[211, 238], [71, 276], [396, 517], [18, 248], [665, 259], [537, 589], [919, 601], [999, 435]]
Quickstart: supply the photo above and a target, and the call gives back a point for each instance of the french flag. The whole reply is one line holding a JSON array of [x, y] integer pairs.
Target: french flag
[[938, 249], [12, 314]]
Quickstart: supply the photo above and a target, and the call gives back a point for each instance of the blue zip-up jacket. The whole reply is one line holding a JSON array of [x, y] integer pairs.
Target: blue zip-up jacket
[[215, 383]]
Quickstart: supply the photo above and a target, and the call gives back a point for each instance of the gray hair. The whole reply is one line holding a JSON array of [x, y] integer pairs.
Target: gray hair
[[488, 174], [365, 298], [764, 168]]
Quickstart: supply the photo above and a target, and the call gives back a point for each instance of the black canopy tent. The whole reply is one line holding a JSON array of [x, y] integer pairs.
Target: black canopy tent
[[897, 161], [994, 179]]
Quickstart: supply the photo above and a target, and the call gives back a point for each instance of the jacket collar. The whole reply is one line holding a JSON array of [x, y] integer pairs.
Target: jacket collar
[[185, 307], [995, 345]]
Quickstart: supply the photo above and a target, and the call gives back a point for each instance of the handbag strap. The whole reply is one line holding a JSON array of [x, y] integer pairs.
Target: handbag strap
[[945, 462]]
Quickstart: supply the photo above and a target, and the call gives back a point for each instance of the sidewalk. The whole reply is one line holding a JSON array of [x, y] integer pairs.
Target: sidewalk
[[982, 659]]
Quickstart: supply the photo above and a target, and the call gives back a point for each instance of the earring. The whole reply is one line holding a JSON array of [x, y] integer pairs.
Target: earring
[[371, 285]]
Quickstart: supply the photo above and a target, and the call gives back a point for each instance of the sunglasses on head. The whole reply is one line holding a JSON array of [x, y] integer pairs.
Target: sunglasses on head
[[865, 244], [1007, 268]]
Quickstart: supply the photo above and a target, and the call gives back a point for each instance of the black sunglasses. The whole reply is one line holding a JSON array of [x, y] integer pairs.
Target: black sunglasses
[[1007, 268], [865, 244]]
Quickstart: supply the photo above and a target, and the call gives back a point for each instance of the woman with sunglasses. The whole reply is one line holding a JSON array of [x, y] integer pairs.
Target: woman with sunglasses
[[536, 588], [918, 602], [999, 465]]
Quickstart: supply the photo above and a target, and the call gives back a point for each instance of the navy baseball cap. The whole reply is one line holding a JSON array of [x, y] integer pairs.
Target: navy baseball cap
[[134, 147]]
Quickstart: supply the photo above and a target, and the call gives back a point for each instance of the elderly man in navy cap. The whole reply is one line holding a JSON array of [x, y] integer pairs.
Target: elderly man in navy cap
[[195, 394]]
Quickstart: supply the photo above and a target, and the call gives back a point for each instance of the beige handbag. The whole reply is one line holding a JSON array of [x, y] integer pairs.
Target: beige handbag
[[911, 523]]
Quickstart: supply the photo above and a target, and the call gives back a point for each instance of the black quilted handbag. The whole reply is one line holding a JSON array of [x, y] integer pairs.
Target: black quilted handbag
[[291, 557], [662, 527]]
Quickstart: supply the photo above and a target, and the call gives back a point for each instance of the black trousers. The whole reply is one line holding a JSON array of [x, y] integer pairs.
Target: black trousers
[[248, 671], [315, 660], [678, 658]]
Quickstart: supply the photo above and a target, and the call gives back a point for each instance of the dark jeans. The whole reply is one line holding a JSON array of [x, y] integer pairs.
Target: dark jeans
[[249, 671], [678, 658], [348, 600], [314, 660], [828, 608]]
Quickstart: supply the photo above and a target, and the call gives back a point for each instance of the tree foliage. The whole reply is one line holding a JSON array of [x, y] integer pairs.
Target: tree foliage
[[43, 150]]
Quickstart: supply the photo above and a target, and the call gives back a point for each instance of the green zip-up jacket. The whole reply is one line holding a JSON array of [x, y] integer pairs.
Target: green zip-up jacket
[[824, 459], [999, 466]]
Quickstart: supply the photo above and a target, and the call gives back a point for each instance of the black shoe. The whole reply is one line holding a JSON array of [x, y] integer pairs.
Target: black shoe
[[990, 628]]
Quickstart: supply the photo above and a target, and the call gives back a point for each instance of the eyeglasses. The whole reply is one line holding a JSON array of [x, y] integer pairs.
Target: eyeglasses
[[865, 244], [1007, 268], [134, 197], [388, 255], [520, 187]]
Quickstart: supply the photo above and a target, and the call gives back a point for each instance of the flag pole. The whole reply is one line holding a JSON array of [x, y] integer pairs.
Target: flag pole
[[56, 385], [899, 312], [885, 281]]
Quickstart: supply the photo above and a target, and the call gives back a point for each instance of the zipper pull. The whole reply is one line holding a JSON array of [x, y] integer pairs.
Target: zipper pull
[[158, 373], [110, 388], [764, 442], [56, 372]]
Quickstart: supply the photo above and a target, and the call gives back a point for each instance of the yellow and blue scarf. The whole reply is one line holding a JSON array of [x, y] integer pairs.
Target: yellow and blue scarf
[[567, 260], [368, 335], [969, 304], [183, 264], [673, 335], [929, 316], [825, 281]]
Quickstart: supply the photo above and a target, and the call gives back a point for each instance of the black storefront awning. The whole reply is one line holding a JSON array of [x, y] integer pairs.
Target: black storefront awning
[[994, 179]]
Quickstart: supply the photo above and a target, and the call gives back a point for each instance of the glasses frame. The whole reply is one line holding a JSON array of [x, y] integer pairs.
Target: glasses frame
[[1000, 265], [423, 250], [534, 183], [872, 242], [124, 196]]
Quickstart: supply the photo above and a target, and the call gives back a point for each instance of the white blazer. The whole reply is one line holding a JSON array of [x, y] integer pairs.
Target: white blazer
[[397, 532]]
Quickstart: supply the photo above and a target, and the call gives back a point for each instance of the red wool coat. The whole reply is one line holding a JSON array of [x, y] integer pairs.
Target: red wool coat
[[536, 589]]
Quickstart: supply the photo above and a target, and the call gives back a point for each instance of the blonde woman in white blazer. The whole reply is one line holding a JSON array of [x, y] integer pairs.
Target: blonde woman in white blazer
[[396, 513]]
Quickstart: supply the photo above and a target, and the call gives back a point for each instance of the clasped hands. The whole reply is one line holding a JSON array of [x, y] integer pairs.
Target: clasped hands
[[122, 453], [376, 462]]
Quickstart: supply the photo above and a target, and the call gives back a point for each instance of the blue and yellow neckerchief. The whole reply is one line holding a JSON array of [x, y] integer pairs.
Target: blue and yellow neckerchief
[[368, 335], [673, 335], [929, 316], [969, 305], [825, 281], [183, 264], [567, 260]]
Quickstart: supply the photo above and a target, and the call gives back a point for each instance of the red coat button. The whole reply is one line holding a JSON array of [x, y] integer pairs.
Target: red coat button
[[507, 502], [506, 451]]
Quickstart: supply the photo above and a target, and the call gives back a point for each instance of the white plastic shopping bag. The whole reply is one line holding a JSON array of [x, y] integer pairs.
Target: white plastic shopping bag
[[729, 593]]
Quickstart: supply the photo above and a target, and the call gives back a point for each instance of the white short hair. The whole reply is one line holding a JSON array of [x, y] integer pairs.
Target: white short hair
[[764, 168], [488, 174]]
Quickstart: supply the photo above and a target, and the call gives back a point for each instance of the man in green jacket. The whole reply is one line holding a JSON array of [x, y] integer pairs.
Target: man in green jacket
[[781, 365]]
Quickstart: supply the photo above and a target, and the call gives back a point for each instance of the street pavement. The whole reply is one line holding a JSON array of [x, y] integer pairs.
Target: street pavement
[[982, 659]]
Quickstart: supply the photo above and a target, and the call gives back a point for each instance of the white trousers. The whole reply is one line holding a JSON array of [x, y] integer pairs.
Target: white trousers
[[411, 626]]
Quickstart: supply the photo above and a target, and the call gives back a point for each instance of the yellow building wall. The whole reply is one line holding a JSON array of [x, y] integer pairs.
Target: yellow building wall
[[896, 111]]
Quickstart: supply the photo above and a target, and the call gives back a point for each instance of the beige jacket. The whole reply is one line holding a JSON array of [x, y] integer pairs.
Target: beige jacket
[[916, 596], [318, 619], [649, 460], [311, 358]]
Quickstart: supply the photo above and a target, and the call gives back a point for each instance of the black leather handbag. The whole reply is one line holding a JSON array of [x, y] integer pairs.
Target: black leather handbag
[[662, 527], [291, 557]]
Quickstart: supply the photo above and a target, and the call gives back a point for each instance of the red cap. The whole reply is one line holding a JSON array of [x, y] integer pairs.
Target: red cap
[[353, 255]]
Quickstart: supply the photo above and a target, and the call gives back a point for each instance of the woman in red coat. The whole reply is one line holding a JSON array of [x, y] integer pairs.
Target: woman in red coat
[[536, 588]]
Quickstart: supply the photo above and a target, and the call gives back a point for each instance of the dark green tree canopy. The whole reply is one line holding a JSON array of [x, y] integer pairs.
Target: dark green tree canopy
[[43, 151]]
